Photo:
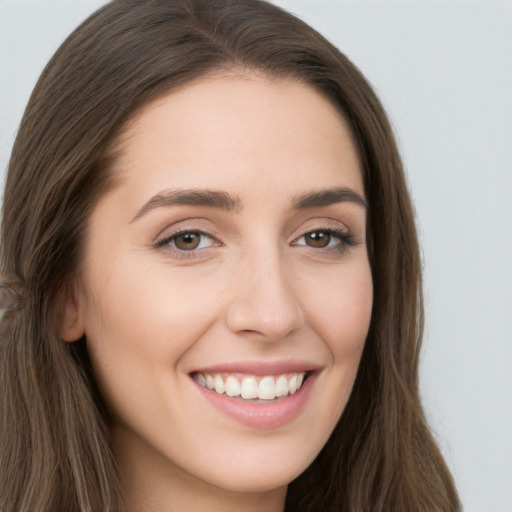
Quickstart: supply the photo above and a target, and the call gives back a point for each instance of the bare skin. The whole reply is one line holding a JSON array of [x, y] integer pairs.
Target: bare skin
[[233, 247]]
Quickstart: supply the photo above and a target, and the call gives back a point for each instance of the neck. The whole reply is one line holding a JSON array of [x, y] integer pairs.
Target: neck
[[176, 499]]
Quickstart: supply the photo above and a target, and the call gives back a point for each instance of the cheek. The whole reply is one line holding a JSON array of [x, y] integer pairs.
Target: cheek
[[352, 320], [132, 298], [138, 330], [142, 322], [341, 311]]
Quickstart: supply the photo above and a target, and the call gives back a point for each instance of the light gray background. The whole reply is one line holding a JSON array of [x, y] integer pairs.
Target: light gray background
[[443, 70]]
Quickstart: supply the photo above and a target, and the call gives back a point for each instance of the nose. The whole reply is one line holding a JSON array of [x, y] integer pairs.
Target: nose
[[264, 302]]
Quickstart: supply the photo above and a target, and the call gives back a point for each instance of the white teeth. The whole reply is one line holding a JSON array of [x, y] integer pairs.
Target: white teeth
[[268, 387], [266, 390], [249, 388], [232, 386], [201, 379], [218, 384], [281, 386], [292, 384]]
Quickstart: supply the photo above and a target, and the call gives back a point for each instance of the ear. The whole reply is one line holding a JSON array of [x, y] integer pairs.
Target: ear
[[71, 325]]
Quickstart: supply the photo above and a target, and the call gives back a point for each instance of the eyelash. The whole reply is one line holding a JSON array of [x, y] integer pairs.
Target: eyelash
[[164, 243], [346, 240]]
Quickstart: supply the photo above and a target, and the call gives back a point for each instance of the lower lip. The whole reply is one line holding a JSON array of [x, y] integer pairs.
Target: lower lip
[[273, 415]]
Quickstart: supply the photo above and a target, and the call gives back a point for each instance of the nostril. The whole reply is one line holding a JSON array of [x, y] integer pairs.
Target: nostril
[[266, 320]]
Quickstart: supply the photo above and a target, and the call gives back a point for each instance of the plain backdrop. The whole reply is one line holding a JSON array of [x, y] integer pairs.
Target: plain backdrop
[[443, 71]]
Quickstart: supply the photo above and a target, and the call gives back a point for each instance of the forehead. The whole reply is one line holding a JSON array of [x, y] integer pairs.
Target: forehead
[[226, 130]]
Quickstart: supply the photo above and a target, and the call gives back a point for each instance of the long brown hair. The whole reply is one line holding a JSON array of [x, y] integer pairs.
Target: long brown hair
[[54, 451]]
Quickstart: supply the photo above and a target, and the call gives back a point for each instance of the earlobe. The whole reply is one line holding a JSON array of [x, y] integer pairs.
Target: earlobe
[[71, 325]]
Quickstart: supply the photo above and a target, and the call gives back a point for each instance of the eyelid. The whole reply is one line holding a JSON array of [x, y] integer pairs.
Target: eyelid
[[164, 243], [333, 227], [343, 234], [173, 226]]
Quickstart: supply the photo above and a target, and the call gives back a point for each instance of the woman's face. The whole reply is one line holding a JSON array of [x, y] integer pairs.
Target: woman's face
[[231, 255]]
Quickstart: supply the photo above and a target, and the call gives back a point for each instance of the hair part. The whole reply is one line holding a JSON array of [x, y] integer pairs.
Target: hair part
[[54, 436]]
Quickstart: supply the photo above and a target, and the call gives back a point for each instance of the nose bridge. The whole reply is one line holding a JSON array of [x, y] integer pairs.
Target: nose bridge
[[264, 301]]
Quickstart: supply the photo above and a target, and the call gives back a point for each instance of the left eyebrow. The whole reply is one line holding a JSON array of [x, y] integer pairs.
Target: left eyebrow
[[327, 197]]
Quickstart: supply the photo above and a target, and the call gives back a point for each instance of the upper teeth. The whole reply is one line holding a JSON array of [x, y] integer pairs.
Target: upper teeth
[[249, 387]]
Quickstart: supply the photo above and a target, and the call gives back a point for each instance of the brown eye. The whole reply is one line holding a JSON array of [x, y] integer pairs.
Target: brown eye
[[318, 239], [326, 240], [187, 241]]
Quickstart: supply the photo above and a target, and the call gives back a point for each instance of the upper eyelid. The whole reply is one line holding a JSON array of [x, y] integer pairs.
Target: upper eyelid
[[343, 234], [331, 225], [195, 224], [334, 231], [206, 227], [165, 238], [325, 224]]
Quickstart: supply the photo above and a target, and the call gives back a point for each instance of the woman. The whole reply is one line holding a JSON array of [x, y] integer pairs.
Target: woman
[[213, 274]]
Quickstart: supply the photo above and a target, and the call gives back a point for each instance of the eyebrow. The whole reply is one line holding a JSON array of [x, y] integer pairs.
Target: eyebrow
[[327, 197], [191, 197], [227, 202]]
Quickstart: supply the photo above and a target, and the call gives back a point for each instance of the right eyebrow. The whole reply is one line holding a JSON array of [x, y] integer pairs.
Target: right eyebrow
[[193, 197]]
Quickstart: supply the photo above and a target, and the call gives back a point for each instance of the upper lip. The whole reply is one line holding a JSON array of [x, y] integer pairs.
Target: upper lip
[[261, 367]]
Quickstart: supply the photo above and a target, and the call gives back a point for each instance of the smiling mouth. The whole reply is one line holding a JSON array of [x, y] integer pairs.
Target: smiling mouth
[[251, 387]]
